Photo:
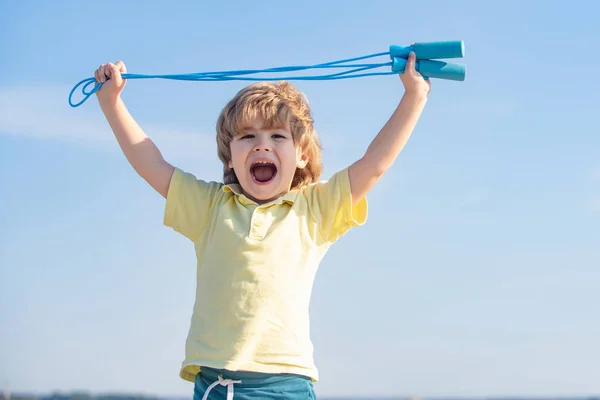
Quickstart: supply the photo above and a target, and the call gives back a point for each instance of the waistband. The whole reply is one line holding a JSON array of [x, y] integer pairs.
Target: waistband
[[248, 378]]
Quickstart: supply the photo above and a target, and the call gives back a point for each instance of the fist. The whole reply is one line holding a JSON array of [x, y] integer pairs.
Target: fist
[[413, 81], [110, 76]]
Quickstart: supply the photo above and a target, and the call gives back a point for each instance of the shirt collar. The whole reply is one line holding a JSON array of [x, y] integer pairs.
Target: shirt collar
[[236, 188]]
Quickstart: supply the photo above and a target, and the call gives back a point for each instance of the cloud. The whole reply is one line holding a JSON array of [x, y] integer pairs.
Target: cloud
[[42, 112]]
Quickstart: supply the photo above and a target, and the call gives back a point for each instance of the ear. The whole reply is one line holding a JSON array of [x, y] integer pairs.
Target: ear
[[230, 165], [301, 160]]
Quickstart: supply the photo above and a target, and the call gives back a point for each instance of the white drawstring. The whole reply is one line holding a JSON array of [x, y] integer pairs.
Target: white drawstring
[[223, 382]]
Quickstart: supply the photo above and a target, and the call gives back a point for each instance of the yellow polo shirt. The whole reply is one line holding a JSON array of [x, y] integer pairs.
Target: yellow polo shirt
[[255, 272]]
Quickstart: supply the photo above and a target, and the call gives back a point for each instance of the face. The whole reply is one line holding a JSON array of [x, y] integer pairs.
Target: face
[[264, 161]]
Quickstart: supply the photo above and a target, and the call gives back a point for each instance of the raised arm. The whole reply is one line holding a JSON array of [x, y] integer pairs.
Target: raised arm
[[390, 141], [143, 155]]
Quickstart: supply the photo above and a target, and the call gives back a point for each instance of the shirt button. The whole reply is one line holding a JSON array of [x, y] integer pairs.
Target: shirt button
[[259, 210], [257, 223]]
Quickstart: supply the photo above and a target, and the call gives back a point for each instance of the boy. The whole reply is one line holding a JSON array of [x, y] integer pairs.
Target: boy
[[260, 235]]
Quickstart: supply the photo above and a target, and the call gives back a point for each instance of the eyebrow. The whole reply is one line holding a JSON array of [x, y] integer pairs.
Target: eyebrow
[[275, 129]]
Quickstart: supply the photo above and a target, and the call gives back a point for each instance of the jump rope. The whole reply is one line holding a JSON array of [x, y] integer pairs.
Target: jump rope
[[428, 64]]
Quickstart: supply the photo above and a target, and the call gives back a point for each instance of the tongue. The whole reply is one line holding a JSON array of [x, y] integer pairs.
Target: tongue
[[264, 173]]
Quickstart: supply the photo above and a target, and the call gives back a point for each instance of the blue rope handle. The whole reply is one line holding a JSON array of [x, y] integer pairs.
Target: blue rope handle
[[355, 71]]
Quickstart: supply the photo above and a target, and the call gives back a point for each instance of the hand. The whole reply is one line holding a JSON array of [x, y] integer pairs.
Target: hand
[[413, 81], [109, 75]]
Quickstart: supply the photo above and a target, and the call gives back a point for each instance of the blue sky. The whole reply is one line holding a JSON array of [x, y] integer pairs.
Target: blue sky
[[478, 272]]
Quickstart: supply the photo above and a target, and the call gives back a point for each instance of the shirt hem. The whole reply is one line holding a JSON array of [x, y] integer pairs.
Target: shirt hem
[[189, 370]]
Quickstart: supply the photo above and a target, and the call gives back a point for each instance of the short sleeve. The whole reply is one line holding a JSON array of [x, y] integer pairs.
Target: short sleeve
[[330, 203], [189, 203]]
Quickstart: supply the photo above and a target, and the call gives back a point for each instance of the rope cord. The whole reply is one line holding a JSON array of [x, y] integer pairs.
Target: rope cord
[[355, 71]]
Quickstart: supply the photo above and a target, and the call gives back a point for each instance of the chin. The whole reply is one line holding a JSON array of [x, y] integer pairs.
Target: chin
[[264, 192]]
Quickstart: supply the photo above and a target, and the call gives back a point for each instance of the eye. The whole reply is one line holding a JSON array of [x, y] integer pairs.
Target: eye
[[279, 136], [248, 136]]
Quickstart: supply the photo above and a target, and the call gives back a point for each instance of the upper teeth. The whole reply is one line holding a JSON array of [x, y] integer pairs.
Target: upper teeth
[[263, 162]]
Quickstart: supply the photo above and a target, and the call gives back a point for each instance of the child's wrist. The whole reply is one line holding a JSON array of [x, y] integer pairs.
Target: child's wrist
[[415, 96], [109, 101]]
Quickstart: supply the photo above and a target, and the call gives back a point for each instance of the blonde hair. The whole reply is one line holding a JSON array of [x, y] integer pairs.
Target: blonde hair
[[278, 104]]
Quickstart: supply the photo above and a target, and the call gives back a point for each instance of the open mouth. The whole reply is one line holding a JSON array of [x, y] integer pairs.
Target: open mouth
[[263, 171]]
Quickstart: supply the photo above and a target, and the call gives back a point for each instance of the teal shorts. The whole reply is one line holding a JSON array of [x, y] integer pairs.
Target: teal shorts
[[214, 384]]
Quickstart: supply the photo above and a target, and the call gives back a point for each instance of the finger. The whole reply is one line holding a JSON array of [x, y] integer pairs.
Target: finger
[[97, 75], [410, 64], [115, 73], [109, 70], [121, 66], [103, 73], [114, 70]]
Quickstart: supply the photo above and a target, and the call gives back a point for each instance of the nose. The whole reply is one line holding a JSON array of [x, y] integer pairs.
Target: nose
[[262, 144]]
